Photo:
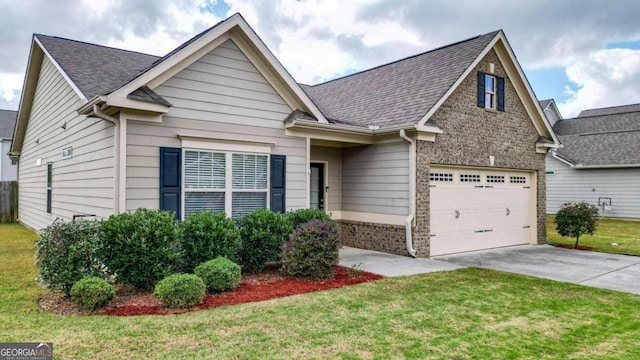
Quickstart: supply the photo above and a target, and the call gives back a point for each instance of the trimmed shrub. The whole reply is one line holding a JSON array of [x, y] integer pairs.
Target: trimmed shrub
[[311, 251], [220, 274], [207, 235], [92, 293], [302, 216], [66, 252], [262, 234], [576, 219], [180, 290], [140, 248]]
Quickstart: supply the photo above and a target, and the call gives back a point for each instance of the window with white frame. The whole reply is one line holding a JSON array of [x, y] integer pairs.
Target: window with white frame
[[489, 91], [235, 183]]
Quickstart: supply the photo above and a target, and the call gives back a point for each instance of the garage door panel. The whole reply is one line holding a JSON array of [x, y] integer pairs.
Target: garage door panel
[[493, 210]]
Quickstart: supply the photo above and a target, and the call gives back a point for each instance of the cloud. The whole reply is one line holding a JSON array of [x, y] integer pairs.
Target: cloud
[[606, 77]]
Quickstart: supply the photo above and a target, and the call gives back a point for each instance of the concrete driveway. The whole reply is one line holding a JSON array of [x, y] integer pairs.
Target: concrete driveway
[[607, 271]]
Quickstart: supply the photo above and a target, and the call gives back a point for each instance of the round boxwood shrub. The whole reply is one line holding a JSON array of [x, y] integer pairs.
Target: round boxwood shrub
[[220, 274], [207, 235], [180, 290], [262, 234], [92, 293], [311, 251], [576, 219], [140, 247], [301, 216], [66, 252]]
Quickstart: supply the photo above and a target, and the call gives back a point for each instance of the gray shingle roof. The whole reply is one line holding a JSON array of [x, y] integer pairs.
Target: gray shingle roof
[[95, 69], [610, 110], [399, 93], [600, 140], [7, 123]]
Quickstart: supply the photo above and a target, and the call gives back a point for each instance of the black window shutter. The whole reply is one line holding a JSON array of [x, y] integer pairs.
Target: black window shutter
[[278, 183], [170, 178], [480, 89], [500, 84]]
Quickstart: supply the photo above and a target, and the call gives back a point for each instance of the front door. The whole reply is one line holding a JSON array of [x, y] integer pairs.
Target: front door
[[317, 186]]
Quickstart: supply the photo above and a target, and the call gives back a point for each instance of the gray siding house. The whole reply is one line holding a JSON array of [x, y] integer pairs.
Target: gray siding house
[[436, 153], [599, 162], [8, 170]]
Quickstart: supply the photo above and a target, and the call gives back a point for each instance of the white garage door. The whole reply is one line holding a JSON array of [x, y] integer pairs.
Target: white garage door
[[475, 209]]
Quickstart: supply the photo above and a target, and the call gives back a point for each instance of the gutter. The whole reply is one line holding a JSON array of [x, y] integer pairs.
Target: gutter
[[118, 155], [412, 174]]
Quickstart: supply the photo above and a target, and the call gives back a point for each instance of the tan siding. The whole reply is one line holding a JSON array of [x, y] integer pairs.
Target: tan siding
[[222, 95], [375, 179], [333, 156], [81, 184], [570, 185]]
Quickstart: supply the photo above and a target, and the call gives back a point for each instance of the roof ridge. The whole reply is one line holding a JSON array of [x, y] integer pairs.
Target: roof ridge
[[608, 132], [407, 57], [94, 44]]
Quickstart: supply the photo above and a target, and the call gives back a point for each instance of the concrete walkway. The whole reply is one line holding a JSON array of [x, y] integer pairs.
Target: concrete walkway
[[601, 270]]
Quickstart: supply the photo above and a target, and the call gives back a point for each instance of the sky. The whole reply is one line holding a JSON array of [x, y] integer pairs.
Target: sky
[[582, 53]]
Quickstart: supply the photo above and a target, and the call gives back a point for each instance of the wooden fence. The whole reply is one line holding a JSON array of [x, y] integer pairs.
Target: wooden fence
[[8, 201]]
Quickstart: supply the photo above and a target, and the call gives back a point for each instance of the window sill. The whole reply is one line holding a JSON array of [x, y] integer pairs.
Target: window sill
[[492, 110]]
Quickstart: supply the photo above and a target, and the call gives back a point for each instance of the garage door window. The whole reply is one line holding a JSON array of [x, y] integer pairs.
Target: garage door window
[[446, 177], [469, 178], [518, 179], [495, 178]]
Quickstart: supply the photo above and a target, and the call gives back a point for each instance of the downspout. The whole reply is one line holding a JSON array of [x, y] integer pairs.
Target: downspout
[[412, 180], [116, 134]]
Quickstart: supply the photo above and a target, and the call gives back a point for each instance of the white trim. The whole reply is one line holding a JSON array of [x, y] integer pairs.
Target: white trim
[[308, 174], [59, 68], [375, 218], [220, 144], [122, 163], [533, 199]]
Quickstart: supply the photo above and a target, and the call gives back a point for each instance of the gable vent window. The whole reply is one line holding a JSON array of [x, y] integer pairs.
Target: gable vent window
[[518, 179], [447, 177], [490, 91], [495, 178], [469, 178]]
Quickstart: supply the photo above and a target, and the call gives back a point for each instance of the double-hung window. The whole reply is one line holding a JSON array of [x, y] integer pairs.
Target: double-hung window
[[234, 183], [489, 92]]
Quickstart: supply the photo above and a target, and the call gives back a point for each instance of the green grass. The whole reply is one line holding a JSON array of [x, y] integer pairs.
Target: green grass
[[626, 233], [465, 314]]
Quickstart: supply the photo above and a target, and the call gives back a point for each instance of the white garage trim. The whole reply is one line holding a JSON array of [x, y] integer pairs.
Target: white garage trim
[[480, 208]]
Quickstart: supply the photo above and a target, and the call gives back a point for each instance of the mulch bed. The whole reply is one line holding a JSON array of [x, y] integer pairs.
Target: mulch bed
[[253, 287], [579, 247]]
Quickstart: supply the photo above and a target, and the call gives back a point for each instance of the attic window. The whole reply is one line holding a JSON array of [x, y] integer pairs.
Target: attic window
[[490, 91]]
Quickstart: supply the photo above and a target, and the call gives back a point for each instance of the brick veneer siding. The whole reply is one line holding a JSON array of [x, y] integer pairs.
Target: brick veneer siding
[[387, 238], [471, 135]]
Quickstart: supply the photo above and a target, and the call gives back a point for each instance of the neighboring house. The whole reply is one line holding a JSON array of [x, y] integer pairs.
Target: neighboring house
[[8, 170], [599, 162], [436, 153]]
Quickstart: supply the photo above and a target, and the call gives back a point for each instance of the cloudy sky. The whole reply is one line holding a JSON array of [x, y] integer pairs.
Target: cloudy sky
[[583, 53]]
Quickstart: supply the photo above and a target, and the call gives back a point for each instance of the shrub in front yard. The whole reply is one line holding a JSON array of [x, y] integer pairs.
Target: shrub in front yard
[[311, 251], [92, 293], [207, 235], [302, 216], [66, 252], [140, 247], [576, 219], [262, 234], [220, 274], [180, 290]]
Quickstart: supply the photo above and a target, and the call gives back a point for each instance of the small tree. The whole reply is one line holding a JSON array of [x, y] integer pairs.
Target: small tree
[[576, 219]]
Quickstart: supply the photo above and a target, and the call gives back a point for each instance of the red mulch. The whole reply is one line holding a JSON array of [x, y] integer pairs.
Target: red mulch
[[252, 288], [580, 247]]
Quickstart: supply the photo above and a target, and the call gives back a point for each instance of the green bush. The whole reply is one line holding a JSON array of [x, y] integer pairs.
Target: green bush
[[207, 235], [220, 274], [311, 251], [92, 293], [302, 216], [66, 252], [576, 219], [262, 233], [140, 247], [180, 290]]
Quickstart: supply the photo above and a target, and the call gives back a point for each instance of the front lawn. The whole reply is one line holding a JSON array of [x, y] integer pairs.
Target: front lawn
[[625, 233], [468, 313]]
